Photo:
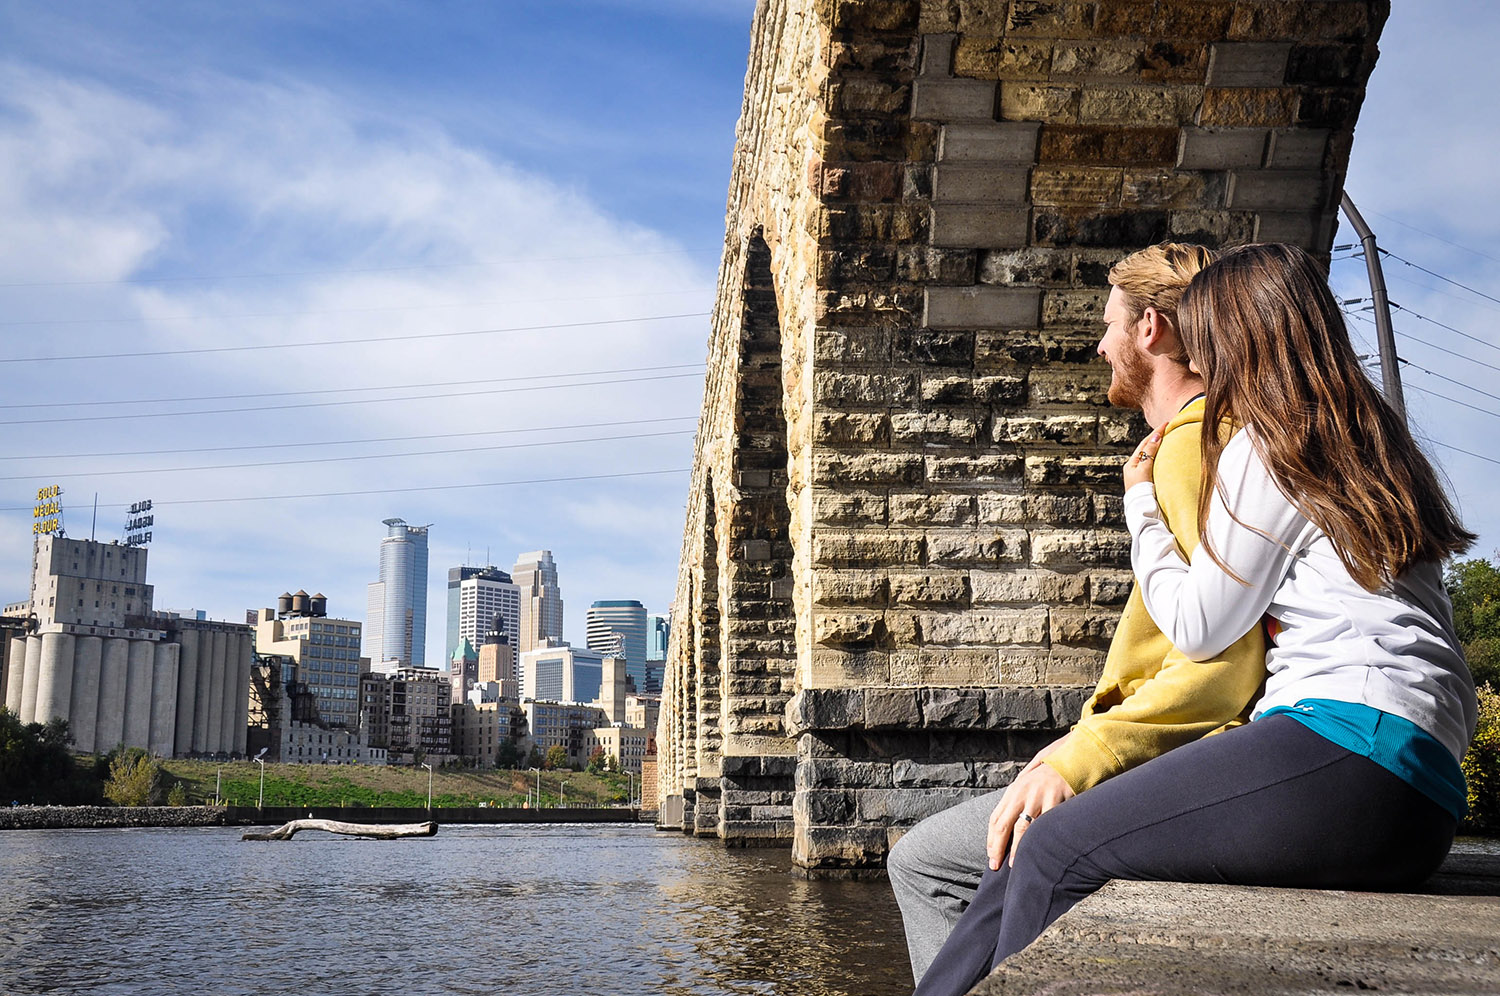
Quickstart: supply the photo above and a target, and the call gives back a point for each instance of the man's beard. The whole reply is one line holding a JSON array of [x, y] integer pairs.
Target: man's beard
[[1132, 378]]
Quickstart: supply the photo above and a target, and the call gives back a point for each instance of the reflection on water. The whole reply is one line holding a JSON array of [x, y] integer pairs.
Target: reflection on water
[[520, 909]]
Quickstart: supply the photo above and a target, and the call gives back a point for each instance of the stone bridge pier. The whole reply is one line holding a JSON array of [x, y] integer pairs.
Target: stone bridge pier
[[904, 553]]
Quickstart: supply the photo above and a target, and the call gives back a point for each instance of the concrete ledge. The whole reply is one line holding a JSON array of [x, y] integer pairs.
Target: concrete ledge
[[1175, 940]]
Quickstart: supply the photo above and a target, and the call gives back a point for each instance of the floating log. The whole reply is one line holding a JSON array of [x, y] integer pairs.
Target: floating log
[[389, 831]]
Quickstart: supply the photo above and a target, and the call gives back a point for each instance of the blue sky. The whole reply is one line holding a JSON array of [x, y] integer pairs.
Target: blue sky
[[273, 173]]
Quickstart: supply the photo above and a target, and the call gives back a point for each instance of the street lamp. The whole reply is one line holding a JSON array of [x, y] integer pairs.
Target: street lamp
[[429, 786], [629, 788], [562, 801], [260, 760], [538, 787]]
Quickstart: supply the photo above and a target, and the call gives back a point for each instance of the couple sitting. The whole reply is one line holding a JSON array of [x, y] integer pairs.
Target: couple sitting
[[1298, 544]]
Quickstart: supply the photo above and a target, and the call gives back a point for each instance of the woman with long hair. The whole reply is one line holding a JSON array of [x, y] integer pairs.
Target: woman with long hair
[[1323, 518]]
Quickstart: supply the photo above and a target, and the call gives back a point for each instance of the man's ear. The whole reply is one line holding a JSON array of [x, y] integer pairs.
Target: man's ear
[[1157, 332]]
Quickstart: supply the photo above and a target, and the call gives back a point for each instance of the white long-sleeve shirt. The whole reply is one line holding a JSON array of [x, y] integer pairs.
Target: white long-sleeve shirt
[[1393, 649]]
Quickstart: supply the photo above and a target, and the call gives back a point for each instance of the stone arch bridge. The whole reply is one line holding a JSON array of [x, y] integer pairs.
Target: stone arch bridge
[[904, 553]]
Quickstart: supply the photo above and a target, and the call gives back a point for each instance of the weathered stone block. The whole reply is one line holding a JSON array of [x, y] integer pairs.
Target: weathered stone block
[[986, 626], [926, 509], [956, 548], [1032, 267], [929, 589], [1061, 227], [1020, 709], [1038, 102], [1071, 308], [951, 708], [977, 226], [1012, 60], [1080, 547], [1299, 228], [1278, 190], [1136, 105], [1269, 107], [976, 468], [847, 627], [1082, 626], [1077, 185], [828, 847], [849, 427], [914, 774], [953, 100], [1193, 18], [998, 142], [1000, 389], [934, 427], [1212, 228], [1071, 429], [1092, 145], [990, 184], [1326, 107], [1028, 586], [991, 775], [982, 307], [906, 806], [825, 709], [1078, 385], [945, 666], [1109, 509], [935, 265], [937, 54], [862, 389], [934, 347], [1095, 59], [1110, 587], [1311, 20], [1222, 148], [837, 773], [1298, 148], [1049, 18], [1327, 65], [1080, 470], [892, 708], [1058, 509], [846, 667], [1160, 189], [836, 548], [832, 467], [1248, 64], [999, 508], [848, 506]]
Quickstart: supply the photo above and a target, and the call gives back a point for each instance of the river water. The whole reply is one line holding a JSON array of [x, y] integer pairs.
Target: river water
[[530, 910]]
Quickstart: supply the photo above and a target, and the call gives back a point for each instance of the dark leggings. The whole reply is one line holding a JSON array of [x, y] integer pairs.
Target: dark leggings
[[1271, 803]]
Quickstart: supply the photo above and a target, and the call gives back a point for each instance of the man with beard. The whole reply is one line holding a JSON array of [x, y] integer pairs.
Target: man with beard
[[1150, 698]]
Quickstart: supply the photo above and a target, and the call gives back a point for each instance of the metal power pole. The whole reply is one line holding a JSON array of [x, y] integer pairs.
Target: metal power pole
[[1390, 367]]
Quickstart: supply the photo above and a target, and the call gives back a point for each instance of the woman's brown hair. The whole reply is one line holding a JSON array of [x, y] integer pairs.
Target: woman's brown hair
[[1265, 331]]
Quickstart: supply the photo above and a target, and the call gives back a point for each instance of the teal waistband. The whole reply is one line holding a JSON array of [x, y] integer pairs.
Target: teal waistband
[[1396, 744]]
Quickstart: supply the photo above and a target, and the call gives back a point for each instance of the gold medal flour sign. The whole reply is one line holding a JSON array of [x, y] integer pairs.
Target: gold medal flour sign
[[47, 515]]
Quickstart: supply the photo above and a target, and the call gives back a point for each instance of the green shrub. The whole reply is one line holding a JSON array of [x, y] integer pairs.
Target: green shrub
[[135, 778], [1482, 766]]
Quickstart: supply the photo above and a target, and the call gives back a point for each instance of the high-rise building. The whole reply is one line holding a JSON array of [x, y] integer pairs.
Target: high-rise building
[[541, 600], [396, 609], [562, 674], [476, 595], [324, 652], [618, 628], [658, 634]]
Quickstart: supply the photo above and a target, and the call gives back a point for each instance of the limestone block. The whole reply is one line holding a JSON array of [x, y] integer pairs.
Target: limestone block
[[838, 846], [1252, 64], [1082, 626], [1109, 510], [1095, 59], [1079, 547], [1213, 228], [997, 142], [877, 15], [933, 347], [937, 54], [948, 588], [1067, 703], [1325, 65], [841, 667], [960, 547], [1299, 21], [998, 508], [1001, 389], [1038, 102], [1222, 148], [1110, 587], [1162, 189], [1080, 185], [1137, 105], [1193, 18], [851, 345], [913, 774], [1070, 429], [1094, 145], [835, 548], [932, 509], [1060, 509], [945, 666], [847, 627], [1007, 60], [840, 773], [1052, 469], [863, 389], [1063, 227], [1049, 18], [932, 264], [1028, 266], [823, 709], [1073, 308], [1022, 709], [1298, 148], [834, 467], [977, 226], [1306, 230], [1248, 107], [952, 100], [823, 807], [849, 587], [904, 806], [1072, 666], [1077, 385], [952, 708], [854, 507], [986, 626], [1278, 190], [1028, 586], [934, 427], [991, 775], [990, 184], [1120, 429], [982, 307], [1327, 107], [978, 468], [892, 708], [849, 427]]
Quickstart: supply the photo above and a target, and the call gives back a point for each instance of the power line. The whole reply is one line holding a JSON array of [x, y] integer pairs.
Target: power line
[[377, 491], [344, 390], [352, 457], [347, 442], [335, 404], [148, 319], [1467, 387], [1433, 235], [1429, 345], [1456, 449], [1450, 328], [1464, 404], [347, 342], [1434, 273], [366, 269]]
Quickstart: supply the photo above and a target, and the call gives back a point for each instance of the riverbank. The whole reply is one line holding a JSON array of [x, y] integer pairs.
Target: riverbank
[[124, 817]]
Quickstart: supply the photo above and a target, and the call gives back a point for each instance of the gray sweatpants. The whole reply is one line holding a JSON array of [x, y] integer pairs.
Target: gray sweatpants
[[935, 870]]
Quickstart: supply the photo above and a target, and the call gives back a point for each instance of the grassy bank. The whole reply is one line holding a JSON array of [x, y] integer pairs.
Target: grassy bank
[[364, 785]]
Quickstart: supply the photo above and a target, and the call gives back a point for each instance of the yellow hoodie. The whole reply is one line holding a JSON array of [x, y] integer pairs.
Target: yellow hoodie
[[1151, 698]]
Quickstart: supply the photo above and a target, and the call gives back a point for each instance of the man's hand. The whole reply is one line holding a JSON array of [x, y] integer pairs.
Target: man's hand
[[1138, 467], [1036, 789]]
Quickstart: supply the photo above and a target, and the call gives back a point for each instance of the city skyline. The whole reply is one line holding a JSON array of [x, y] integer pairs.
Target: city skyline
[[264, 178]]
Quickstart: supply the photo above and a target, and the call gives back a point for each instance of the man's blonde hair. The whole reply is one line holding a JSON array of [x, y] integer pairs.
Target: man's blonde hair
[[1156, 277]]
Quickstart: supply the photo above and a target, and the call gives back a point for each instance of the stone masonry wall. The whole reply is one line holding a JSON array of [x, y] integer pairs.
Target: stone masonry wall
[[904, 553]]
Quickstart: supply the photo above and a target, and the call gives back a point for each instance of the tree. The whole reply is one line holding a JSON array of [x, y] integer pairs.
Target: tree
[[1474, 586], [597, 761], [508, 755], [557, 757], [135, 779], [36, 766]]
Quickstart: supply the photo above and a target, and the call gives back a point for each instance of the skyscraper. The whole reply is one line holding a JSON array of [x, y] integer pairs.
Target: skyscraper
[[541, 600], [396, 607], [658, 635], [476, 595], [618, 627]]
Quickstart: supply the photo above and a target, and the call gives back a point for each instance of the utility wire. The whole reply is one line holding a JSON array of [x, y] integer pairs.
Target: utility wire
[[361, 456], [1464, 404], [1433, 235], [1467, 387], [347, 442], [347, 390], [1450, 328], [347, 342], [375, 491], [1434, 273], [334, 404], [1457, 449], [366, 269]]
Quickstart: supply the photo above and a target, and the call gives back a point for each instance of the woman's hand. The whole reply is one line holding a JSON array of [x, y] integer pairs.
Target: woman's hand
[[1138, 467], [1036, 790]]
